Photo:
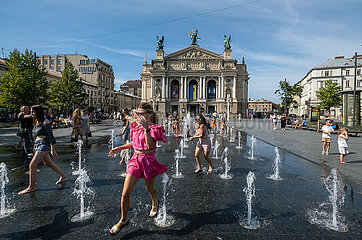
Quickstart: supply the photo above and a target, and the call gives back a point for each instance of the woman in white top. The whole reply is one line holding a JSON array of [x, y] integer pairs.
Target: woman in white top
[[342, 144], [85, 126]]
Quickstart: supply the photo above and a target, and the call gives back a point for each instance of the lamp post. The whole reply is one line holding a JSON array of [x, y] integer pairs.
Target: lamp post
[[354, 89]]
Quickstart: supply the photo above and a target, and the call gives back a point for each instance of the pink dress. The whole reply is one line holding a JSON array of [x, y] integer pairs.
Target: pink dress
[[145, 165]]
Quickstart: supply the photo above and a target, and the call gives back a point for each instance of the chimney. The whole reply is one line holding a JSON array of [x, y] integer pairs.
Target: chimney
[[339, 57]]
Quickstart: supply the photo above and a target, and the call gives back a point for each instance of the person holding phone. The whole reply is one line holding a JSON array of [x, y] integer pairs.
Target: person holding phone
[[44, 144], [143, 164]]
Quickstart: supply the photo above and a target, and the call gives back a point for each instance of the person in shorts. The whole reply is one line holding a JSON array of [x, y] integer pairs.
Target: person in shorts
[[342, 144], [327, 131]]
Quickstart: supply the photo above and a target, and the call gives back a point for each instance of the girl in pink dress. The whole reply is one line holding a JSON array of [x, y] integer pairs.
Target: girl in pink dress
[[204, 143], [143, 164]]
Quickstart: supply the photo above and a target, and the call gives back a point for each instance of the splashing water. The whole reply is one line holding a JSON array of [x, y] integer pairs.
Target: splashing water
[[216, 150], [251, 152], [79, 145], [5, 210], [163, 219], [225, 155], [158, 144], [81, 190], [111, 141], [249, 222], [127, 157], [239, 141], [182, 149], [231, 134], [327, 215], [178, 174], [276, 167]]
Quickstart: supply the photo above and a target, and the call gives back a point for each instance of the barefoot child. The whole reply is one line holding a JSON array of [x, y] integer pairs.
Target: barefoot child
[[342, 144]]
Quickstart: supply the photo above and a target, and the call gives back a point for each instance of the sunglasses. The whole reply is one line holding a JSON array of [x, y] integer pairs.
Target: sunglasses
[[141, 113]]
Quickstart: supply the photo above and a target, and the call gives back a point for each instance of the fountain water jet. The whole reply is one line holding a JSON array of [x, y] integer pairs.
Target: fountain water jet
[[231, 135], [163, 219], [249, 222], [323, 216], [5, 211], [239, 141], [127, 157], [182, 149], [81, 190], [79, 145], [225, 155], [251, 152], [178, 174], [216, 150], [276, 175]]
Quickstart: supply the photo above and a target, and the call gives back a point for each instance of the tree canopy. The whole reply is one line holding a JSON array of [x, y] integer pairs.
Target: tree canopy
[[17, 84], [68, 91], [330, 95], [287, 92]]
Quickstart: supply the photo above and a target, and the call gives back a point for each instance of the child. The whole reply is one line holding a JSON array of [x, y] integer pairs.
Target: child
[[342, 144], [327, 137]]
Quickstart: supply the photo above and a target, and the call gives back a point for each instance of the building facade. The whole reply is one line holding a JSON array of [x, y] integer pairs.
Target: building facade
[[133, 87], [196, 80], [126, 100], [97, 76], [261, 106], [341, 71]]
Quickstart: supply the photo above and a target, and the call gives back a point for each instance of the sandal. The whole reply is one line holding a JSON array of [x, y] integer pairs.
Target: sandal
[[198, 171], [342, 162], [115, 230], [153, 213]]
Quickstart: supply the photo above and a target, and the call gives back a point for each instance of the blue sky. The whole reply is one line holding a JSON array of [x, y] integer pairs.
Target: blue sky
[[280, 38]]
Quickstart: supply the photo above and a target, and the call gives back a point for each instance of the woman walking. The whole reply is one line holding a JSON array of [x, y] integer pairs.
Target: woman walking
[[77, 124], [143, 164], [26, 126], [85, 126], [44, 144], [283, 121], [204, 142]]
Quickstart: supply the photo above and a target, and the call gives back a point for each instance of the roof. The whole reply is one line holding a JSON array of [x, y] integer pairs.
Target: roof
[[53, 73], [3, 62], [132, 83], [339, 62]]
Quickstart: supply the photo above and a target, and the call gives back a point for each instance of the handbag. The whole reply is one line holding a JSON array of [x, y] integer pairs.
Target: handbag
[[20, 132]]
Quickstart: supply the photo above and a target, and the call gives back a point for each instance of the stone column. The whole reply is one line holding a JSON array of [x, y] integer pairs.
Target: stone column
[[218, 88], [181, 89], [199, 88], [163, 87], [167, 79], [205, 88], [152, 86], [185, 87], [222, 87], [142, 91], [234, 89]]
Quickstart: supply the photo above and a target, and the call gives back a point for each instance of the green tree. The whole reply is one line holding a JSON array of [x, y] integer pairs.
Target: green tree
[[287, 92], [17, 84], [68, 91], [330, 95]]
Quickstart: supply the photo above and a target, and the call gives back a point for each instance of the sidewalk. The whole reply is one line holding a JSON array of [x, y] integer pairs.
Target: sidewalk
[[62, 135], [307, 145]]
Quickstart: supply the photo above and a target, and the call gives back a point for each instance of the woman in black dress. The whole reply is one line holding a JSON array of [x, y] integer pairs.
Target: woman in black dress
[[283, 121]]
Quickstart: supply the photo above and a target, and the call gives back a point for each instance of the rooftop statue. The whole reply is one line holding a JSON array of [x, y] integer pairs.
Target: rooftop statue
[[227, 42], [194, 38], [160, 43]]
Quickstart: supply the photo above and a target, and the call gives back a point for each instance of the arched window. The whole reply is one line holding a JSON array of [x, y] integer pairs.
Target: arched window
[[211, 89], [193, 89], [174, 89]]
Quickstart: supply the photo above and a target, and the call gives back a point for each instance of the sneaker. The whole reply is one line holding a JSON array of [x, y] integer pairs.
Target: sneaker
[[30, 155], [323, 153], [327, 154]]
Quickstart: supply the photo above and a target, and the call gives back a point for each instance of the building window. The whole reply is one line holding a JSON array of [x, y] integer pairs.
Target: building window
[[193, 89], [60, 61], [211, 89], [174, 89], [52, 62], [59, 69], [347, 83], [358, 83], [347, 72], [326, 73], [46, 61], [82, 62], [92, 61], [358, 71]]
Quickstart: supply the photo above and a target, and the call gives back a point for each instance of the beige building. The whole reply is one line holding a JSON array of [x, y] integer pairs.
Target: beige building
[[261, 106], [126, 100], [3, 66], [196, 80], [97, 76], [341, 71], [133, 87]]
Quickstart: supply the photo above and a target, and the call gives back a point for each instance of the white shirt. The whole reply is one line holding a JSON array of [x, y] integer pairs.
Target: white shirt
[[329, 129], [342, 142], [274, 119]]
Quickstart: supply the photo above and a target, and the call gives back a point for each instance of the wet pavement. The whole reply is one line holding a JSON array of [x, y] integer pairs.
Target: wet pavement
[[204, 206]]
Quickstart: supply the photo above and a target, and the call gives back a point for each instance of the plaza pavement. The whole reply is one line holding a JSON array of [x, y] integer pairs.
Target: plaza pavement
[[307, 145]]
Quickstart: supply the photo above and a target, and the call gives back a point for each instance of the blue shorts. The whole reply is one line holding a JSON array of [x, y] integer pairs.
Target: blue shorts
[[42, 147]]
